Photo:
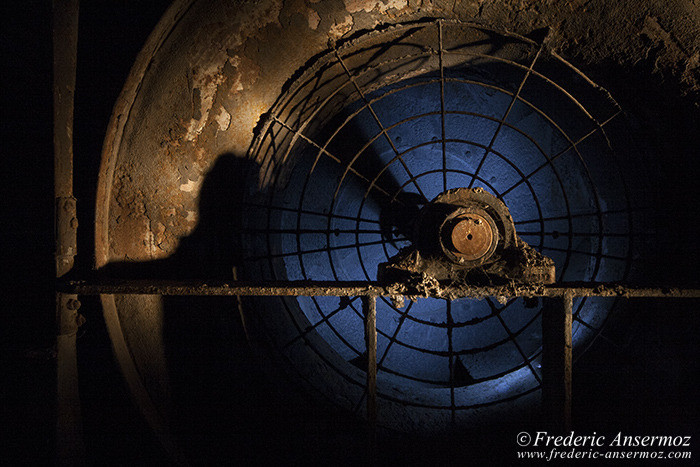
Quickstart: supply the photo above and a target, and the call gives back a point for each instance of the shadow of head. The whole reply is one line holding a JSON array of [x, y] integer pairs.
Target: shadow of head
[[214, 247]]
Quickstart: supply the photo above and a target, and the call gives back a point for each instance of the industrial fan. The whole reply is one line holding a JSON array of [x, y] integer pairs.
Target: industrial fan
[[379, 129], [398, 212]]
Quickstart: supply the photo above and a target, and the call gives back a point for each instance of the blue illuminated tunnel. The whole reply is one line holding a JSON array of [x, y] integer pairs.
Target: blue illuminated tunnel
[[362, 141]]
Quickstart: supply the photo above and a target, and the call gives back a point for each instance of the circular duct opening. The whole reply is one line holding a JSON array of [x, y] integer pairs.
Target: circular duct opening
[[369, 133]]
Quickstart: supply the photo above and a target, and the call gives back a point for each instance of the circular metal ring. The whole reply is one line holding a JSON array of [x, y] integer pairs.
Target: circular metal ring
[[469, 236]]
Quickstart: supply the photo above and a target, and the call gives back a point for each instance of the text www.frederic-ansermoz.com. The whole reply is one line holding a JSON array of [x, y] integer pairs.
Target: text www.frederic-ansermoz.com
[[541, 445]]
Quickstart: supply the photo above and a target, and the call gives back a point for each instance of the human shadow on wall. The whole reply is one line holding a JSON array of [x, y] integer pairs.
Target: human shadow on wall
[[223, 404], [208, 365]]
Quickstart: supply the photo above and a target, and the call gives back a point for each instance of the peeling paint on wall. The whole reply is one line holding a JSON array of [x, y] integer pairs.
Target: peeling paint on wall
[[339, 29], [313, 18], [671, 54], [223, 118], [355, 6], [204, 86], [190, 186]]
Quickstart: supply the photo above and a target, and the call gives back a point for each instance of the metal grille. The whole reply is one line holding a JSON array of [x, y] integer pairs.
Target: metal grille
[[370, 132]]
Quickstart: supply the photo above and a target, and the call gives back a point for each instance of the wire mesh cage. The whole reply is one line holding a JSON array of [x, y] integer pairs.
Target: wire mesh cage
[[366, 135]]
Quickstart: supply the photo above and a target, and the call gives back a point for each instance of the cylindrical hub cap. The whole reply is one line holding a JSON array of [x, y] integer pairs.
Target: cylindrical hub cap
[[469, 236], [472, 237]]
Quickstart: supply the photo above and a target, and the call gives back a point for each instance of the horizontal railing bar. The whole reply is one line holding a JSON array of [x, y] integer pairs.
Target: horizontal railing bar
[[361, 288]]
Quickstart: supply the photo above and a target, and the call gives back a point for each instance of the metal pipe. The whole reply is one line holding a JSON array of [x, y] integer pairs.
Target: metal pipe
[[557, 321], [359, 288], [369, 307], [70, 449], [65, 48]]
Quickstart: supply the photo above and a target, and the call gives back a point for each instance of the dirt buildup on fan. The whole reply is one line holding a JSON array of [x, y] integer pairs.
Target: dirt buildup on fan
[[430, 275]]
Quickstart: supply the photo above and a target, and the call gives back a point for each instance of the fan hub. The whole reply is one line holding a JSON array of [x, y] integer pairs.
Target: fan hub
[[466, 235], [465, 226], [471, 236]]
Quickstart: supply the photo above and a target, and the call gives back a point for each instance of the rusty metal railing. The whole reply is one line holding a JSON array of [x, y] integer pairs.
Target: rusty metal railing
[[556, 322]]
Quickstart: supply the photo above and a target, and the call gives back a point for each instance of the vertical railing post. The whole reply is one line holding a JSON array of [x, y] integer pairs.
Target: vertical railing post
[[69, 440], [369, 306], [557, 361]]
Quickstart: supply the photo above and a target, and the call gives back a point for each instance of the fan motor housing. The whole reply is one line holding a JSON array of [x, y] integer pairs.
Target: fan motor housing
[[468, 235]]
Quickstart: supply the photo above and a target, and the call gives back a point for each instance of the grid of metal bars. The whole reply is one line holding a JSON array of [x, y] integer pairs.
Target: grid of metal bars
[[290, 124]]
